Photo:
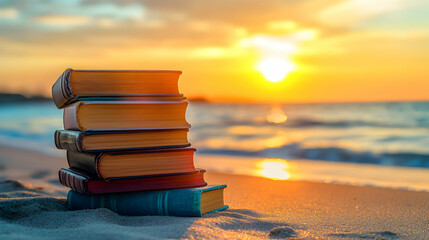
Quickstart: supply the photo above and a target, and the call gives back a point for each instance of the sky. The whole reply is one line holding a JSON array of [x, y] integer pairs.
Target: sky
[[274, 51]]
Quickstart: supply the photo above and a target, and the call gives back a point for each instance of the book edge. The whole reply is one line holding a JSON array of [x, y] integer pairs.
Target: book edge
[[158, 150], [148, 71], [134, 102], [85, 175], [74, 141], [70, 117], [213, 187], [72, 138], [216, 210], [61, 92], [134, 129], [135, 149]]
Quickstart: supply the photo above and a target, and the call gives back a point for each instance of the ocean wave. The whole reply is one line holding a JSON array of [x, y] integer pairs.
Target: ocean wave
[[308, 122], [333, 154], [313, 122]]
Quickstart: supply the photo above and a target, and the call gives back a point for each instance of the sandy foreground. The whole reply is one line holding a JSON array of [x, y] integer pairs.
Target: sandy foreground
[[32, 205]]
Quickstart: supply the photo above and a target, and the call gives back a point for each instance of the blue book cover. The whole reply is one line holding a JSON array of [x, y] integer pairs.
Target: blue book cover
[[189, 202]]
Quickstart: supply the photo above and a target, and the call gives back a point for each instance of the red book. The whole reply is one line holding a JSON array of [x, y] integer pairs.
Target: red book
[[83, 183]]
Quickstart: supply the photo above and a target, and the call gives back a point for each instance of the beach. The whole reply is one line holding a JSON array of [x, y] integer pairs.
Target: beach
[[33, 205], [310, 117]]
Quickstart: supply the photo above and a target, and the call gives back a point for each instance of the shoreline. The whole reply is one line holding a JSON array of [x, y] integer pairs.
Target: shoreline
[[32, 205], [353, 174]]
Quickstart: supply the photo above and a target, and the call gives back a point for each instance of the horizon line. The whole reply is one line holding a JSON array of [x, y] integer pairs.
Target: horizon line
[[248, 101]]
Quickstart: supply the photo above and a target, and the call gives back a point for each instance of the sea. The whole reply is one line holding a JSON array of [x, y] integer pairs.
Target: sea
[[372, 144]]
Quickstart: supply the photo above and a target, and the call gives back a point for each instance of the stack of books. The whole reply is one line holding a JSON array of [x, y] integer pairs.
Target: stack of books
[[127, 146]]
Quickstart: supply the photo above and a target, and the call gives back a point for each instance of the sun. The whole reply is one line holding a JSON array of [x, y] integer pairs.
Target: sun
[[275, 69]]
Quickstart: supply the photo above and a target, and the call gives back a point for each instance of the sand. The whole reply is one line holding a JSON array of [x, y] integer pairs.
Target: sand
[[33, 206]]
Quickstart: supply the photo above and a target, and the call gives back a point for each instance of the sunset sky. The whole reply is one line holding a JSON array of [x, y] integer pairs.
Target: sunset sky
[[245, 50]]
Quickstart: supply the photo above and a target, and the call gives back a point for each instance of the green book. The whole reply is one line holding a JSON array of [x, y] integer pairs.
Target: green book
[[187, 202]]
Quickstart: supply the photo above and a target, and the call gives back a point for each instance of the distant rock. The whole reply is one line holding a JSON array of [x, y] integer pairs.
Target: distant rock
[[198, 99], [19, 98]]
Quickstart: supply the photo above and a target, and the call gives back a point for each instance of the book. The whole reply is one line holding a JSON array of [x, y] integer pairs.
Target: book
[[125, 115], [188, 202], [133, 164], [75, 84], [81, 182], [78, 141]]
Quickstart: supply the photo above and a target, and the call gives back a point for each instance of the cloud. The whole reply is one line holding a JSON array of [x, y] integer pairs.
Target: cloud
[[8, 13], [32, 9], [252, 15], [279, 46], [163, 23], [211, 27], [134, 12], [62, 20], [282, 25], [350, 12]]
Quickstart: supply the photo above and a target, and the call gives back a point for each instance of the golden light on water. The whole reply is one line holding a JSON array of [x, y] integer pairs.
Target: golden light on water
[[275, 69], [274, 168], [276, 115], [276, 141]]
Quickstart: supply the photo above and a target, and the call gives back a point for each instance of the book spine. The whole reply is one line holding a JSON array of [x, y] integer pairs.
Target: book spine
[[61, 93], [69, 140], [180, 202], [70, 117], [85, 162], [73, 181]]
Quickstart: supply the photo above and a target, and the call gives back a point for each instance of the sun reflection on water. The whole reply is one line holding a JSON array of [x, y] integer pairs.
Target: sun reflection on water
[[274, 168], [276, 115]]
